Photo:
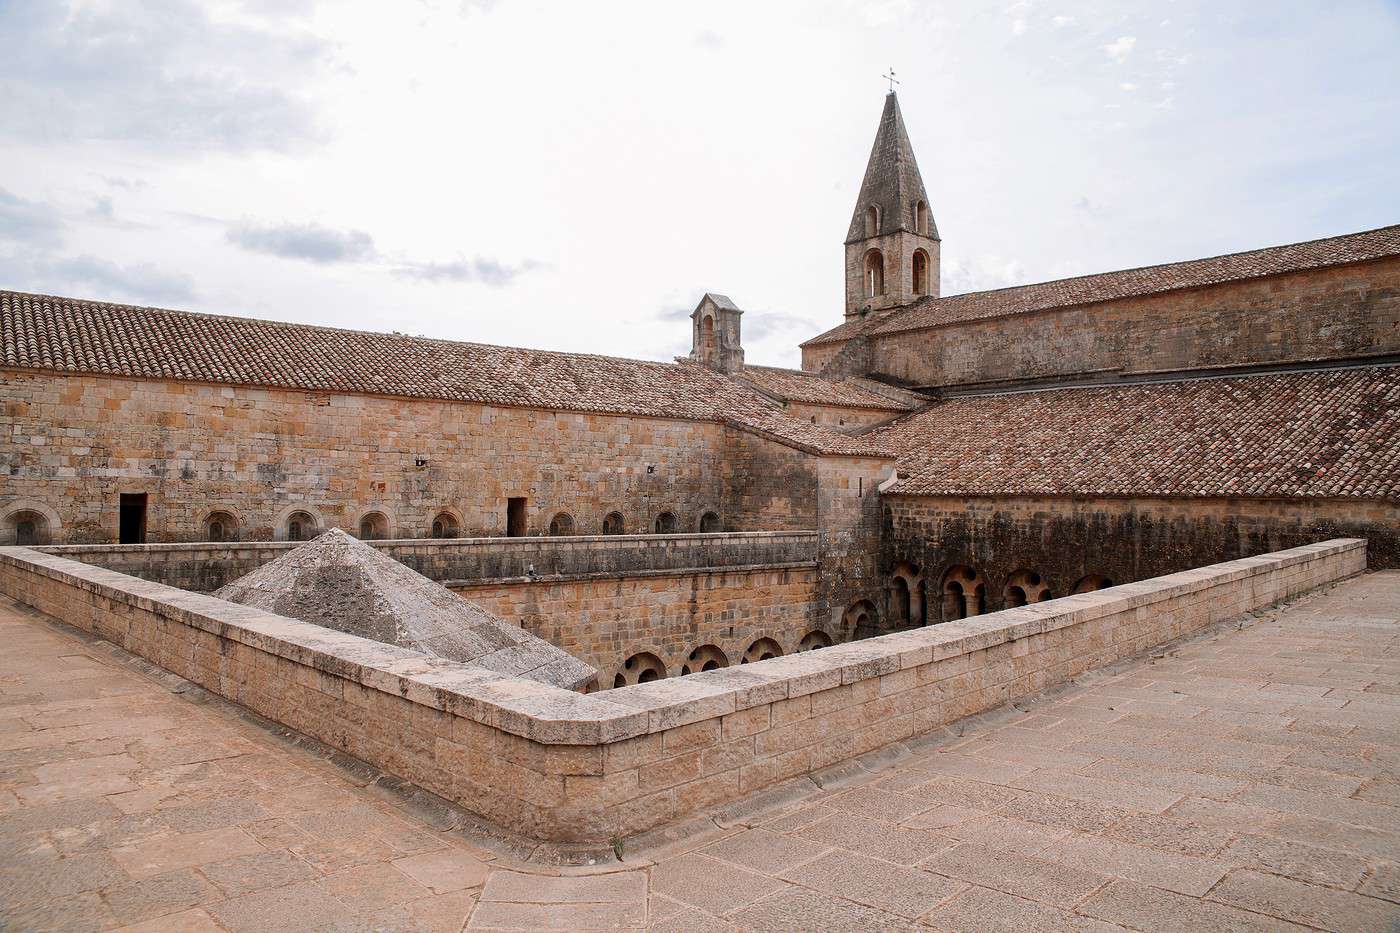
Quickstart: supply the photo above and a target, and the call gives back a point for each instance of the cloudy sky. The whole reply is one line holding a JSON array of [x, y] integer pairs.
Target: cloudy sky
[[575, 175]]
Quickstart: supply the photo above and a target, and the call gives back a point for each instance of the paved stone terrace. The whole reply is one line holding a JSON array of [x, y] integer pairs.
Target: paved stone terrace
[[1247, 781]]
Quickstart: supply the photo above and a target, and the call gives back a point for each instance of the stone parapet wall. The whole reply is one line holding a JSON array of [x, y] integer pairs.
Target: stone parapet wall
[[204, 567], [605, 619], [577, 769]]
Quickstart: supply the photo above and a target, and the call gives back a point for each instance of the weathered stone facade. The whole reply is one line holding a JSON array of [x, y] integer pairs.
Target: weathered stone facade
[[78, 442], [1345, 312], [205, 566], [675, 616], [838, 417], [1070, 543]]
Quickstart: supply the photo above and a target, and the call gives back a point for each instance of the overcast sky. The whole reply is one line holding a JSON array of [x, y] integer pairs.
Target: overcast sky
[[575, 175]]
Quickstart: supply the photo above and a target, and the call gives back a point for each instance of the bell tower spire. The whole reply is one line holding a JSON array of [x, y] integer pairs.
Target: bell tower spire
[[892, 245]]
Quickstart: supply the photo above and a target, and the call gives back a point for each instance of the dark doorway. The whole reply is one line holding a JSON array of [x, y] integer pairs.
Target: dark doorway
[[132, 526], [515, 517]]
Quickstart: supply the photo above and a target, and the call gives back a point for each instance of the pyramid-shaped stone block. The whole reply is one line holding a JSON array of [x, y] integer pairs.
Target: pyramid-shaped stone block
[[340, 582]]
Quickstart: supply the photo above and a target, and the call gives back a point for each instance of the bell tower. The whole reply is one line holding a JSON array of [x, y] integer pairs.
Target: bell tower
[[715, 334], [892, 245]]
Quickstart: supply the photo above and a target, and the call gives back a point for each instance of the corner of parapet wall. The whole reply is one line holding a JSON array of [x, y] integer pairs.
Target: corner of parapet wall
[[570, 768]]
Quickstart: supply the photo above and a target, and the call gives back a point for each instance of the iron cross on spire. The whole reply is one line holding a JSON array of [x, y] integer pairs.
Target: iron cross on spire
[[891, 79]]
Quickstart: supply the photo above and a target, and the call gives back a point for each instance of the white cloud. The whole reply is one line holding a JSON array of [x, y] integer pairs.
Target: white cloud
[[1119, 49], [160, 71], [28, 222], [482, 270], [321, 245], [1060, 22], [980, 272], [138, 283], [311, 242], [1128, 86]]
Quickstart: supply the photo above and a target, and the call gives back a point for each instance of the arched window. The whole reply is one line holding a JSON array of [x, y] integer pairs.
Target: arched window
[[561, 524], [906, 596], [707, 338], [920, 272], [814, 640], [704, 658], [872, 221], [1024, 587], [874, 273], [374, 527], [612, 523], [28, 528], [762, 650], [921, 218], [1094, 581], [964, 593], [301, 526], [709, 523], [221, 526], [445, 525], [666, 523], [860, 619], [642, 668], [900, 600]]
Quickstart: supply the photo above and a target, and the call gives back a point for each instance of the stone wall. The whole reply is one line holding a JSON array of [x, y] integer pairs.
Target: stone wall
[[1340, 312], [849, 523], [773, 487], [76, 443], [839, 417], [604, 620], [578, 769], [1065, 540], [204, 567], [816, 359]]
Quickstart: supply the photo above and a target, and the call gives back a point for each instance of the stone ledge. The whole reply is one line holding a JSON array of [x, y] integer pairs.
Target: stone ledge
[[631, 574], [441, 544]]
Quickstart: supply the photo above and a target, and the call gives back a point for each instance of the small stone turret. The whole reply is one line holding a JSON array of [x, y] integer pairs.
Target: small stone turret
[[715, 328], [892, 245]]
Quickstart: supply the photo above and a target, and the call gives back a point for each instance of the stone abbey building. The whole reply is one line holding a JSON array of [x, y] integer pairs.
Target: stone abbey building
[[935, 457]]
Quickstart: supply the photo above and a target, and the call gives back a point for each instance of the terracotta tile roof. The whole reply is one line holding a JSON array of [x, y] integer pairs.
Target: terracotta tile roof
[[1333, 433], [798, 386], [1107, 286], [76, 336]]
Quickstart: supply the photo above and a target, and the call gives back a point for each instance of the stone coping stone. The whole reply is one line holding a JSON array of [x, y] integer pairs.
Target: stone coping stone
[[633, 574], [554, 716]]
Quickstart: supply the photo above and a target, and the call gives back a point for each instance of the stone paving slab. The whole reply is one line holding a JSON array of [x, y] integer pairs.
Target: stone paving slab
[[1245, 781]]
